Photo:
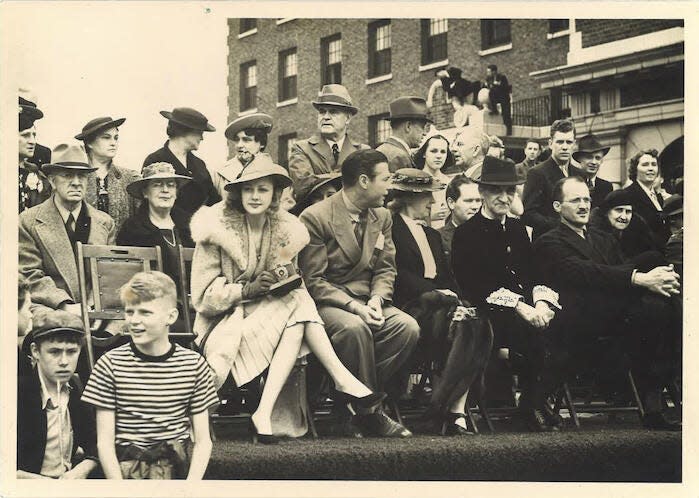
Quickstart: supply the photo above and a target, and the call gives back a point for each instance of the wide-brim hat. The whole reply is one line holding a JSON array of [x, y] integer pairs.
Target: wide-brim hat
[[68, 157], [496, 171], [97, 125], [191, 118], [673, 205], [262, 166], [415, 180], [154, 171], [408, 108], [589, 144], [256, 121], [619, 197], [306, 190], [335, 96]]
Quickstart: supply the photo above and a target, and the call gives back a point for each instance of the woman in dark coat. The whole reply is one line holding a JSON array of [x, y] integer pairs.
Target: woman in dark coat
[[426, 290]]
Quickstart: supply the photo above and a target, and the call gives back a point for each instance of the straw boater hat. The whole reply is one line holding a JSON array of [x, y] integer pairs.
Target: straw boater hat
[[188, 117], [257, 121], [589, 144], [154, 171], [261, 166], [97, 125], [304, 193], [499, 172], [335, 96], [415, 181], [408, 108], [66, 157]]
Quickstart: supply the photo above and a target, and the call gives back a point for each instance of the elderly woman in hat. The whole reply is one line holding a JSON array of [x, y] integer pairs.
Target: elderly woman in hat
[[433, 157], [253, 313], [426, 290], [158, 222], [185, 131], [106, 186]]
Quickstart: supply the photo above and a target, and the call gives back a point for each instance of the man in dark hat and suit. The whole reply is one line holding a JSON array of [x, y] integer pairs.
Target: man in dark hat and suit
[[493, 264], [185, 129], [409, 125], [48, 233], [603, 295], [325, 151], [34, 187], [590, 156]]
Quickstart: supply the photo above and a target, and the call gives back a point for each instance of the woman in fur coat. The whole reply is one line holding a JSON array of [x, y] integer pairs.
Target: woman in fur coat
[[244, 245]]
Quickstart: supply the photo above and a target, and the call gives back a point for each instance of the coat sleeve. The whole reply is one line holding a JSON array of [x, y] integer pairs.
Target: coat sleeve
[[300, 167], [384, 276], [313, 262], [534, 199], [111, 232], [31, 266], [212, 294]]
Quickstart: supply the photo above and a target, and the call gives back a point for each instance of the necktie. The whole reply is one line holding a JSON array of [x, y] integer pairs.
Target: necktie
[[336, 153], [70, 227], [360, 227]]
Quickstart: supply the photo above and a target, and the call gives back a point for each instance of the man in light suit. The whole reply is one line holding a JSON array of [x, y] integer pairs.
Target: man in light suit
[[409, 125], [327, 150], [349, 268], [48, 233]]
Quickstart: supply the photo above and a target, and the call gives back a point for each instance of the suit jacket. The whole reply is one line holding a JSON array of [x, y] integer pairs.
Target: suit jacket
[[538, 195], [643, 206], [42, 155], [336, 270], [410, 280], [31, 423], [192, 195], [313, 156], [46, 257], [398, 157], [499, 87], [485, 258], [601, 190]]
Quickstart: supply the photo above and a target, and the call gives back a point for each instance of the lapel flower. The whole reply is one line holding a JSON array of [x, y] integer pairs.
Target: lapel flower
[[33, 182]]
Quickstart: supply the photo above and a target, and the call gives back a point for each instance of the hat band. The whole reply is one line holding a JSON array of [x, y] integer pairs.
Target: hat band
[[70, 163], [333, 100], [412, 180], [43, 332]]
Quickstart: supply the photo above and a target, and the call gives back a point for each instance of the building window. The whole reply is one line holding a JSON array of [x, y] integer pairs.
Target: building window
[[286, 142], [379, 129], [379, 48], [287, 74], [557, 25], [331, 60], [248, 85], [495, 32], [434, 40], [247, 24]]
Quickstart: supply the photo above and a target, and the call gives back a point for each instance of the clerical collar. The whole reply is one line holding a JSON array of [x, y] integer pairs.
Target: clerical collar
[[501, 221], [339, 143]]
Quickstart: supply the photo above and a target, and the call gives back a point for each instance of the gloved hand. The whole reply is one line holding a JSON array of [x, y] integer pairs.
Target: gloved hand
[[259, 286]]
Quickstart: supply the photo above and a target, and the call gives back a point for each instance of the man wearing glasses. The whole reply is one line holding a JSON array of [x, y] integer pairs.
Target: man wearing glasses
[[409, 125]]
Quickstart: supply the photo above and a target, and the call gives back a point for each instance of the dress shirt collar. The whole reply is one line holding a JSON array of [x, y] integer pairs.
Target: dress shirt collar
[[46, 396], [354, 211], [339, 143], [65, 213], [651, 195]]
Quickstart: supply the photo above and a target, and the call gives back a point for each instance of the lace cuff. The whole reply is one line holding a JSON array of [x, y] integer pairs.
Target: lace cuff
[[543, 293], [504, 297]]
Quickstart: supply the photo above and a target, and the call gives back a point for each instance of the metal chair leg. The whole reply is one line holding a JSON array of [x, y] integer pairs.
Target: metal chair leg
[[571, 408], [471, 420], [639, 403]]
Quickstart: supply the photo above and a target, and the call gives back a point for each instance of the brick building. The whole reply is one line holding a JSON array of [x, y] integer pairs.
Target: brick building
[[278, 66]]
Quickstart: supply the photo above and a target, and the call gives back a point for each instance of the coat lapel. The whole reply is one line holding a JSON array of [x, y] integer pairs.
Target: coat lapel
[[320, 146], [344, 229], [402, 149], [347, 148], [52, 233], [581, 245]]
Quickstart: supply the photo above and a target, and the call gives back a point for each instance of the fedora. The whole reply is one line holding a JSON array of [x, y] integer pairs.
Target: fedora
[[257, 121], [415, 180], [673, 205], [261, 166], [154, 171], [68, 157], [408, 108], [499, 172], [305, 191], [335, 96], [191, 118], [96, 125], [588, 144]]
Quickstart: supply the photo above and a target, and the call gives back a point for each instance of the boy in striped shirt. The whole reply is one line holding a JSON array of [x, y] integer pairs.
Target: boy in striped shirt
[[146, 392]]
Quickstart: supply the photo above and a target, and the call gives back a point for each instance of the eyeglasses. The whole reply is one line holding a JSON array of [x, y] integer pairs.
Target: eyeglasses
[[579, 200]]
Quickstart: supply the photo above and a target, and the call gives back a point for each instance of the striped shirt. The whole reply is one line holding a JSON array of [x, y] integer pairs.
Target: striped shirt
[[153, 396]]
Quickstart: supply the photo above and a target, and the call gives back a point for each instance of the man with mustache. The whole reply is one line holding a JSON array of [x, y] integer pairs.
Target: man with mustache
[[48, 233], [590, 155], [409, 125], [604, 295]]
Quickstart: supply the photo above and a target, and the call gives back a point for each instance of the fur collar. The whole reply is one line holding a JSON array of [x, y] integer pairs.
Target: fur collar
[[226, 228]]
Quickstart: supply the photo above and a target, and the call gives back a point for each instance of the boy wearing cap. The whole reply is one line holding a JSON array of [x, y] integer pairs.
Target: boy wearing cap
[[409, 125], [52, 422], [146, 391]]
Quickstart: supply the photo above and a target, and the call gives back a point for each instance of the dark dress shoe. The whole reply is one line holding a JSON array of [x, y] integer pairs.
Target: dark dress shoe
[[657, 421], [451, 428], [262, 438], [536, 421], [553, 418], [381, 425]]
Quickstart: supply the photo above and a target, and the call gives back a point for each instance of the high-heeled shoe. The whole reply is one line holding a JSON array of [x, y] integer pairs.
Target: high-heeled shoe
[[367, 402], [262, 438], [451, 428]]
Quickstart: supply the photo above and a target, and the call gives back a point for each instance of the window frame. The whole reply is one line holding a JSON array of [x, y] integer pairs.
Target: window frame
[[379, 61], [245, 26], [247, 101], [287, 85], [489, 33], [373, 125], [283, 148], [330, 73], [430, 43]]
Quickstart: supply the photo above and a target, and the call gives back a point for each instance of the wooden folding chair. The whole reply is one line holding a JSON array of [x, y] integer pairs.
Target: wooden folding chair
[[102, 270], [185, 255]]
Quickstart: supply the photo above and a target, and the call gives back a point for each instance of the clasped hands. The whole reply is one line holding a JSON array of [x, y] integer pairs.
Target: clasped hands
[[371, 313], [538, 316], [662, 280]]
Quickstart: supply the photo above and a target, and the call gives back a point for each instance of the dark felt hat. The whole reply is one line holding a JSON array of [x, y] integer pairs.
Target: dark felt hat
[[415, 180], [257, 121], [335, 96], [307, 189], [499, 172], [68, 157], [97, 125], [408, 108], [619, 197], [673, 205], [154, 171], [262, 166], [589, 144], [191, 118], [28, 111]]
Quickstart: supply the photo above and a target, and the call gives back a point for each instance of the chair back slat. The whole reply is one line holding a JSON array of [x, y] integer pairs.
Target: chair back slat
[[186, 255]]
